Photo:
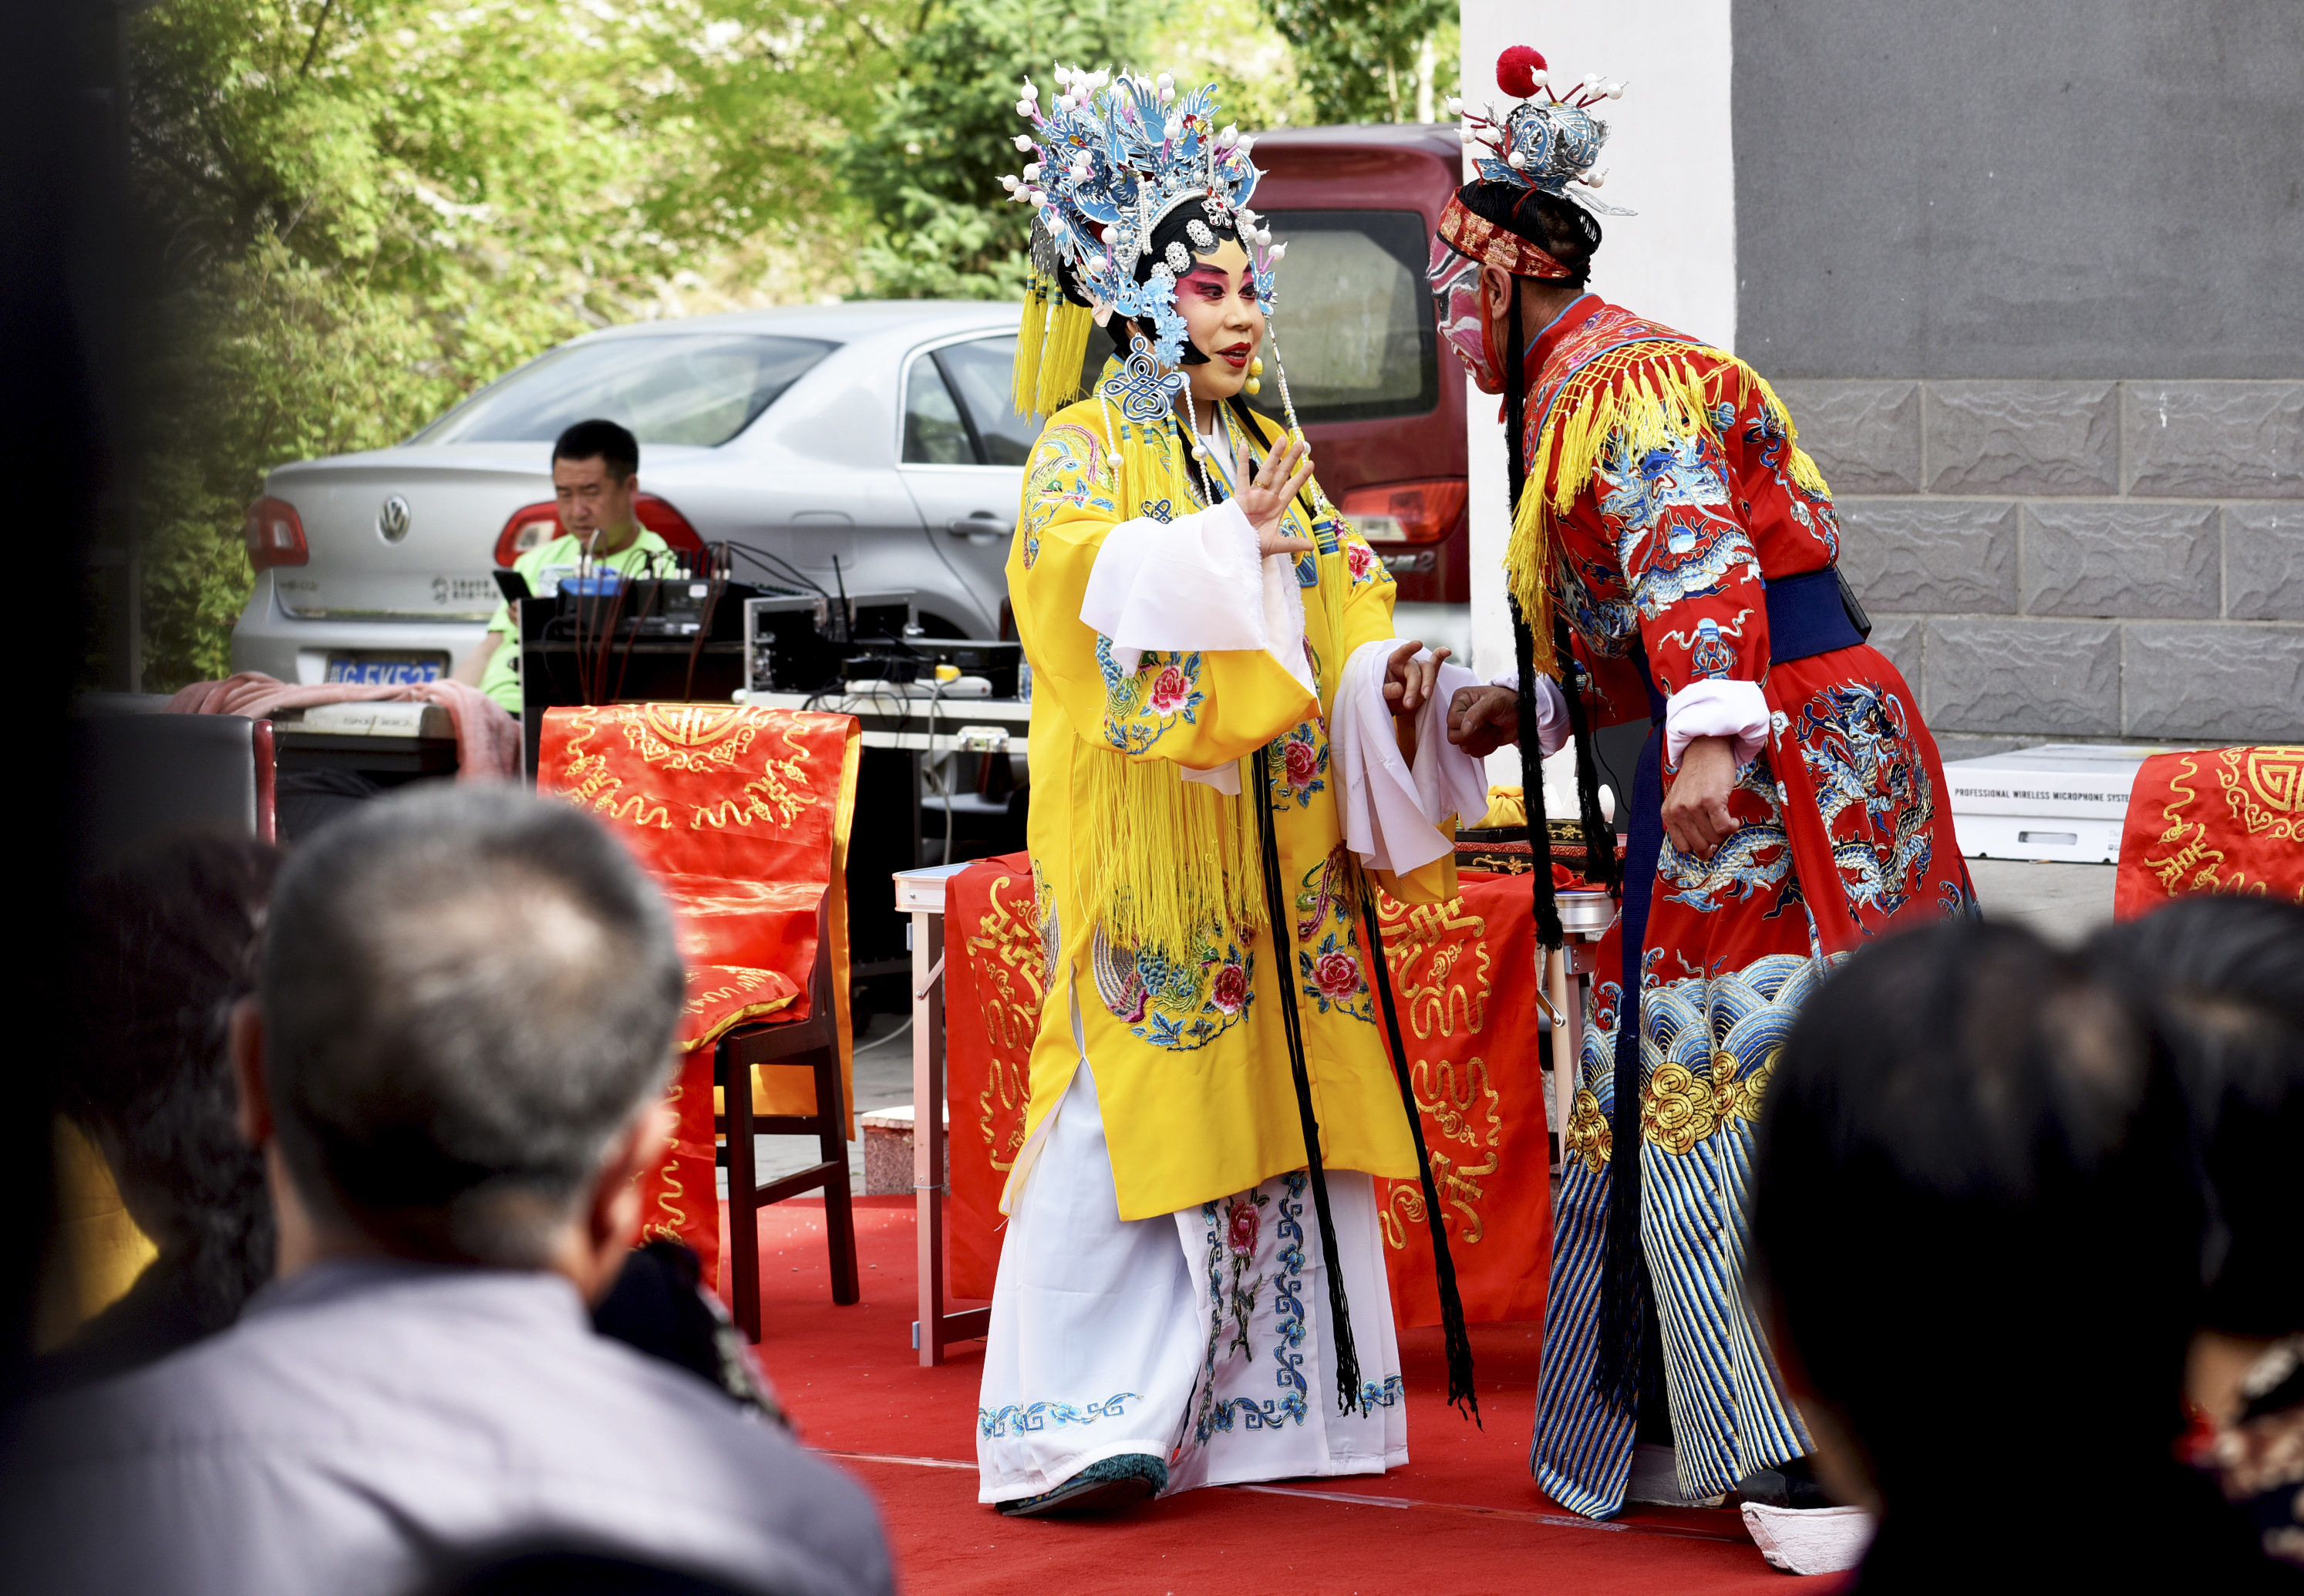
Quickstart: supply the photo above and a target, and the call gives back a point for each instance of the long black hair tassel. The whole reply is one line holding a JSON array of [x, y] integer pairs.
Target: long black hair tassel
[[1348, 1397]]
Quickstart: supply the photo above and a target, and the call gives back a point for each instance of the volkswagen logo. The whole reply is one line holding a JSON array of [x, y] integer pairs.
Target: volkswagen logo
[[392, 519]]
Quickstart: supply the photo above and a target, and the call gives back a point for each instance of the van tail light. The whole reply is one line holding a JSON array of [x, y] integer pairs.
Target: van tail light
[[274, 535], [532, 526], [1406, 511]]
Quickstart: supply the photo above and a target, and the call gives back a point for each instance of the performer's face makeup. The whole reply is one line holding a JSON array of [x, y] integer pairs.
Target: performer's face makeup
[[1224, 318], [1464, 319]]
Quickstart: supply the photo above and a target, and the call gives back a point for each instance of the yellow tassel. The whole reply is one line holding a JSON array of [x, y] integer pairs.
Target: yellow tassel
[[1026, 382], [1065, 347], [1169, 864], [1526, 566], [1804, 469], [1646, 398]]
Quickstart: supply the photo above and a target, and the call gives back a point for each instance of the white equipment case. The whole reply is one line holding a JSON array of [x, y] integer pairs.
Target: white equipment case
[[2060, 801]]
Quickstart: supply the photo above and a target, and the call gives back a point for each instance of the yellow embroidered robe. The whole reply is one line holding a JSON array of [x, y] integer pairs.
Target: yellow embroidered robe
[[1186, 1041]]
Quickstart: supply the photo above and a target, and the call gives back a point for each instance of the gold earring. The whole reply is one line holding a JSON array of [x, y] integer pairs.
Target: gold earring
[[1255, 368], [1253, 386]]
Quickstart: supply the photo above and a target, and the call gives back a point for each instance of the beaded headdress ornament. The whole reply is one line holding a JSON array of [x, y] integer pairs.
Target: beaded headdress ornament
[[1550, 140], [1542, 145], [1107, 164]]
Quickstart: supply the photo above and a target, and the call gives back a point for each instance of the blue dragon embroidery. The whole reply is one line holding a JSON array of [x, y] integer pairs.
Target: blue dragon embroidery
[[1873, 790]]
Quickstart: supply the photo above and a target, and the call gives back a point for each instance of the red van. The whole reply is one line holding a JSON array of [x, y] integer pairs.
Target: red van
[[1381, 399]]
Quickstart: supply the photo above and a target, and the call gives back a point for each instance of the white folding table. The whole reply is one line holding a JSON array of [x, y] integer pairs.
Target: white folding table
[[920, 894]]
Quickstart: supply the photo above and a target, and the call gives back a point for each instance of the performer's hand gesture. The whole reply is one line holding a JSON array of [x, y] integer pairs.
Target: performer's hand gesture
[[1408, 680], [1696, 814], [1264, 499], [1482, 720]]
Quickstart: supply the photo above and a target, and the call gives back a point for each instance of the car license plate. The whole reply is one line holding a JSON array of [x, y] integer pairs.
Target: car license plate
[[385, 669]]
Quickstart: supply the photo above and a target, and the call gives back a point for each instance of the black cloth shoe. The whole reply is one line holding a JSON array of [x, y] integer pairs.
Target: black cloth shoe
[[1790, 1484], [1119, 1481]]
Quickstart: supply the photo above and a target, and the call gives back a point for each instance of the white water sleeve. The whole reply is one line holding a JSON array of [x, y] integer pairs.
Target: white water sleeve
[[1392, 811], [1195, 583], [1716, 706]]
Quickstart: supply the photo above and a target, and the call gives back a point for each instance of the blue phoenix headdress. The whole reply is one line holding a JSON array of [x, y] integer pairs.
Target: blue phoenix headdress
[[1108, 162], [1549, 143]]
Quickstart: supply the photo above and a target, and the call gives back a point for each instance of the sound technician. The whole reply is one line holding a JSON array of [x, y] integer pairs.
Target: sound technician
[[596, 481]]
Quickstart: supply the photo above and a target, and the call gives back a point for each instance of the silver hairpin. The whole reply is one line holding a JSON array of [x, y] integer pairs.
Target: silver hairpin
[[1178, 258]]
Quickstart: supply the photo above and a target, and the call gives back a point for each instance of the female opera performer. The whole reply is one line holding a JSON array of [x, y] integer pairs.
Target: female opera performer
[[1215, 685], [1671, 539]]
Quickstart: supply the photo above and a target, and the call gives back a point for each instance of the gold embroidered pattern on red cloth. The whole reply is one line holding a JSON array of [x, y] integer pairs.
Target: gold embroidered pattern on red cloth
[[2227, 820], [742, 816]]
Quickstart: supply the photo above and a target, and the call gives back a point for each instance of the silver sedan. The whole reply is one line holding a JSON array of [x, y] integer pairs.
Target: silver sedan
[[870, 443]]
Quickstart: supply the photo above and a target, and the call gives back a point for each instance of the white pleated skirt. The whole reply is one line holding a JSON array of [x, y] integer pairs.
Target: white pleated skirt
[[1202, 1338]]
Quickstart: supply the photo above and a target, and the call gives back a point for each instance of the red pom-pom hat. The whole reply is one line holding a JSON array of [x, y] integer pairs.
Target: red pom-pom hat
[[1516, 71]]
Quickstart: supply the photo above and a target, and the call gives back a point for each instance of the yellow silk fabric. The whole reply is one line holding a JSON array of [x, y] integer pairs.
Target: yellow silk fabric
[[1187, 1042]]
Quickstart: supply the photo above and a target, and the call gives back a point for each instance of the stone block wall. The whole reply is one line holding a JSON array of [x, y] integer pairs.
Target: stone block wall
[[2095, 560]]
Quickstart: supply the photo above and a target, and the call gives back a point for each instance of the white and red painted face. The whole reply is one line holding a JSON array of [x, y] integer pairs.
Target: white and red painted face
[[1224, 318], [1455, 281]]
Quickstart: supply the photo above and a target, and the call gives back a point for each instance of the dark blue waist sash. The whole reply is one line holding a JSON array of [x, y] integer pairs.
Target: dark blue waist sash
[[1807, 615]]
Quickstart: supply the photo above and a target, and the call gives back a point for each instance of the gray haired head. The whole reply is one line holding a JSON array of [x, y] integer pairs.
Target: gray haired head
[[466, 995]]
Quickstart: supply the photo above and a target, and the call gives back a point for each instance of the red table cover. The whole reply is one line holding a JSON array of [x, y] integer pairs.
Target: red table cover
[[2227, 820], [1464, 975]]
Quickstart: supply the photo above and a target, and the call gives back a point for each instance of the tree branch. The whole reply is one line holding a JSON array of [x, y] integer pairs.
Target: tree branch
[[313, 49]]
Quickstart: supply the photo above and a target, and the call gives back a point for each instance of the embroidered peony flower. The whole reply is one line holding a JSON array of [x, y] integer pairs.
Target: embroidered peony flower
[[1229, 991], [1359, 559], [1243, 1228], [1303, 764], [1336, 974], [1169, 688]]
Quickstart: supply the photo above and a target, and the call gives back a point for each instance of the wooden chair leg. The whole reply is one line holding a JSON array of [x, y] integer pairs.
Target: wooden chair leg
[[743, 1200], [839, 1212]]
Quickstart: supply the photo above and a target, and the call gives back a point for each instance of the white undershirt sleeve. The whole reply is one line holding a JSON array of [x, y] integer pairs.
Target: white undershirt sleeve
[[1552, 727], [1716, 706]]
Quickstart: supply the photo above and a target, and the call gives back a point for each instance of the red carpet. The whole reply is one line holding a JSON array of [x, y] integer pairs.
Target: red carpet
[[1461, 1517]]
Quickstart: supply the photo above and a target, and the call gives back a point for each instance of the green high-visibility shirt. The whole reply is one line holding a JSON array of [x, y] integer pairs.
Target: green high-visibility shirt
[[544, 569]]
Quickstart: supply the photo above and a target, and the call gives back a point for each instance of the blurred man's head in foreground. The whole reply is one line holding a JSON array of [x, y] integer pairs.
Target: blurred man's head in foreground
[[1973, 1212], [466, 1008], [2224, 980]]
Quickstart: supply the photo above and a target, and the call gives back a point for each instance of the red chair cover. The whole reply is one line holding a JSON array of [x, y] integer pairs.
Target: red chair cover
[[741, 814], [2228, 820]]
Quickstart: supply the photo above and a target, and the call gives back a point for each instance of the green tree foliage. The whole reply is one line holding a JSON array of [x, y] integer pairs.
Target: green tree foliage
[[1367, 60], [368, 208], [927, 165], [1232, 44]]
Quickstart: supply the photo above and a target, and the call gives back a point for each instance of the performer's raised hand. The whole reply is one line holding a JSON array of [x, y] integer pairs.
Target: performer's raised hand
[[1696, 815], [1481, 719], [1264, 499], [1408, 680]]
